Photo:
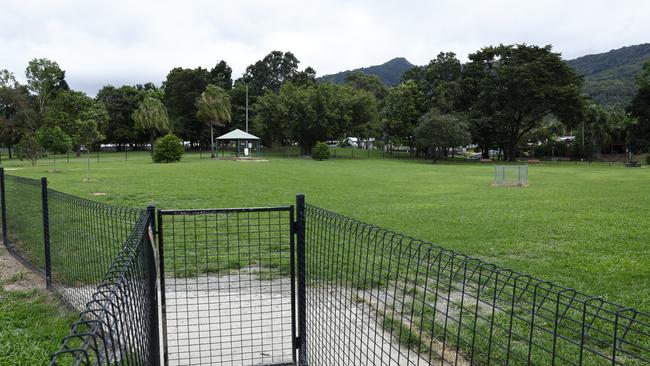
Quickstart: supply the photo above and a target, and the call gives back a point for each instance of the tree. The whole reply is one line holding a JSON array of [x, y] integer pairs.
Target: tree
[[151, 116], [517, 86], [437, 132], [17, 118], [370, 83], [7, 79], [28, 148], [307, 77], [45, 78], [639, 109], [271, 72], [221, 75], [181, 89], [54, 140], [213, 108], [70, 110], [403, 106], [271, 119], [439, 82], [120, 104]]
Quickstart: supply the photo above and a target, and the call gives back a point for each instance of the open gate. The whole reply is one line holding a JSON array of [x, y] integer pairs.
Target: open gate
[[229, 285]]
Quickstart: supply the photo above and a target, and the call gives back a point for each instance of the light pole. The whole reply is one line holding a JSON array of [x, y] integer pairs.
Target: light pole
[[246, 107]]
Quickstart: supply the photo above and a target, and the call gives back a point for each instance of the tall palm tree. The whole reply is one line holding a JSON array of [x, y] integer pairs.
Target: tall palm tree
[[151, 116], [213, 108]]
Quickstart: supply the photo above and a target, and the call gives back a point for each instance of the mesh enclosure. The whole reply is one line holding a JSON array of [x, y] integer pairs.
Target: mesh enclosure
[[511, 175], [228, 286], [119, 325], [375, 297]]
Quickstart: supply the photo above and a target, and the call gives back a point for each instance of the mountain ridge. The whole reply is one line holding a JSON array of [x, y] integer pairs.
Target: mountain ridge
[[609, 76]]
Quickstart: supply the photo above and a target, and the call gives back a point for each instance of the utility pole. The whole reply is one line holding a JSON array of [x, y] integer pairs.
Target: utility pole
[[246, 107]]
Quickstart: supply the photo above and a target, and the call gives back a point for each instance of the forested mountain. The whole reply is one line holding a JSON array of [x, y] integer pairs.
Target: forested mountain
[[609, 76], [389, 72]]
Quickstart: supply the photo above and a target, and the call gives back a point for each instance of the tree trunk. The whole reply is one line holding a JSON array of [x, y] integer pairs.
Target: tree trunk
[[9, 150]]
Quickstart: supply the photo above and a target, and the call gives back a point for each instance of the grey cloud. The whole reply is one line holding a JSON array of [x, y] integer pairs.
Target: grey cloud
[[132, 42]]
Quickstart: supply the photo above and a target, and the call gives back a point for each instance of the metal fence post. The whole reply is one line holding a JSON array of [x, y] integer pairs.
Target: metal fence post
[[4, 206], [46, 234], [161, 270], [302, 286], [153, 280]]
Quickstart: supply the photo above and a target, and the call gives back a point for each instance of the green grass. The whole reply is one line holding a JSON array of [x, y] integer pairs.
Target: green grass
[[581, 226], [32, 325]]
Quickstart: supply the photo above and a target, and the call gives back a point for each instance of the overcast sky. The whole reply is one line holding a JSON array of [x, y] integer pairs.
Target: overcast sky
[[127, 42]]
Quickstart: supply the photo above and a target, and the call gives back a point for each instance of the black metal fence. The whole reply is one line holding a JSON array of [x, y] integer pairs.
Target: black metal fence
[[375, 297], [119, 325], [98, 259], [229, 286], [260, 286]]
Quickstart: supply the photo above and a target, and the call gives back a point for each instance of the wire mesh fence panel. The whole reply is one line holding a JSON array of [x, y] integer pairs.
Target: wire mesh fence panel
[[228, 286], [510, 175], [85, 239], [119, 325], [375, 297], [24, 220]]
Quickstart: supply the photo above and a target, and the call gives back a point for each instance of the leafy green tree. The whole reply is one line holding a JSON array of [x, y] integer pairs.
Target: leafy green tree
[[54, 140], [517, 86], [17, 118], [307, 77], [120, 104], [7, 79], [28, 148], [70, 110], [221, 75], [213, 108], [169, 149], [370, 83], [437, 132], [270, 121], [181, 89], [151, 116], [271, 72], [403, 106], [639, 109], [45, 78], [439, 81]]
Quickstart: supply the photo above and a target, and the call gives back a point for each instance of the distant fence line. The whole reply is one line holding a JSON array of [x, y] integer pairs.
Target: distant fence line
[[401, 299]]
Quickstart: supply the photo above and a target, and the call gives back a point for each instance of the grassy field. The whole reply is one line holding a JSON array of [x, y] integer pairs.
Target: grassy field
[[582, 226]]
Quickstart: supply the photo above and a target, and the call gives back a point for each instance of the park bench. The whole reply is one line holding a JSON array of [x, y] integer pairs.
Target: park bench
[[534, 161], [632, 164], [486, 161]]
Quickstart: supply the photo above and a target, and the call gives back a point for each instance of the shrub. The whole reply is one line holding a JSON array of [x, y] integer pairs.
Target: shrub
[[647, 157], [320, 151], [168, 149]]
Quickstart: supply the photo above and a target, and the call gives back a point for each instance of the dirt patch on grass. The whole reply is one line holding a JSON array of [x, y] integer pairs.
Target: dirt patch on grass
[[14, 276]]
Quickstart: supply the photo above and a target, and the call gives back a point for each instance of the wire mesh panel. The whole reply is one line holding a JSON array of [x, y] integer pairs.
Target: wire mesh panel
[[511, 175], [119, 325], [24, 220], [375, 297], [228, 286], [85, 239]]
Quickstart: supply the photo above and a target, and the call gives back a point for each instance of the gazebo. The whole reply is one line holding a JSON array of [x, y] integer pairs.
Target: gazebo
[[240, 136]]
